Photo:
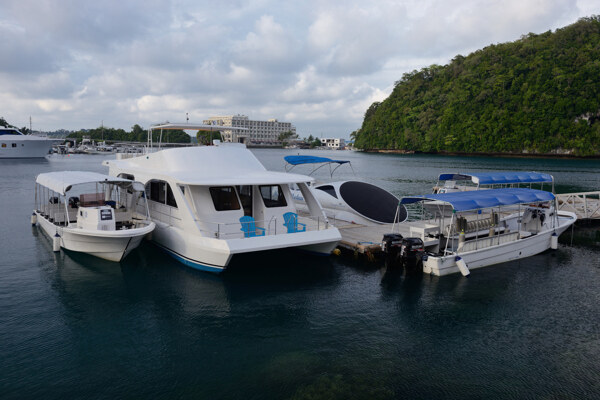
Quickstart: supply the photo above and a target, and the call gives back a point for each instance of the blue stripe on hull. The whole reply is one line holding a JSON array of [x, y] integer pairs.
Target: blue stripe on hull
[[190, 263]]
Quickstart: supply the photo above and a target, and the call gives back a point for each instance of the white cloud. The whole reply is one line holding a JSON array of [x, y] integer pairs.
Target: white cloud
[[73, 64]]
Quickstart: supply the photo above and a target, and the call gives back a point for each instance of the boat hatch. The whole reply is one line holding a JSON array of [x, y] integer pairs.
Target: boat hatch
[[360, 195], [329, 189]]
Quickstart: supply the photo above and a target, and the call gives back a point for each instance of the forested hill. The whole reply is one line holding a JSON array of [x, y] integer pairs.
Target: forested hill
[[539, 94]]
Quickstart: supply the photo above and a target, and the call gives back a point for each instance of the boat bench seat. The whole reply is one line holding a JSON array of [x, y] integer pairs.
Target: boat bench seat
[[462, 224], [56, 212], [479, 225], [471, 245], [58, 215]]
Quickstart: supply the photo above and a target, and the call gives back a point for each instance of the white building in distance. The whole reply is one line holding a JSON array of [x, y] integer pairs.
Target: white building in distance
[[259, 133], [333, 143]]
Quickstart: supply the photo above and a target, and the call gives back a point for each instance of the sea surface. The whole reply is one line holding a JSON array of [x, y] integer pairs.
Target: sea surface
[[292, 326]]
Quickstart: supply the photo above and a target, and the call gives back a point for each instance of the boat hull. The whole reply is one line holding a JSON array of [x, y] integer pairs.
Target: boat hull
[[213, 255], [108, 245], [26, 147], [510, 251]]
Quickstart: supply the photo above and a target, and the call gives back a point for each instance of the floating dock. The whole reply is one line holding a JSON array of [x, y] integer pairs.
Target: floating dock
[[365, 239]]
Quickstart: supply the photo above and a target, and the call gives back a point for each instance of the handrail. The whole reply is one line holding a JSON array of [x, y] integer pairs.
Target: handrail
[[225, 230], [585, 204]]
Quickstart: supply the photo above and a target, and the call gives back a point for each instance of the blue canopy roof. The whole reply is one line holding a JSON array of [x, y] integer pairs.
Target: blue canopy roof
[[478, 199], [492, 178], [297, 160]]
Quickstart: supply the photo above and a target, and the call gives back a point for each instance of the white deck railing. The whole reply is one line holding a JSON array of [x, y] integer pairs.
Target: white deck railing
[[585, 204], [273, 226]]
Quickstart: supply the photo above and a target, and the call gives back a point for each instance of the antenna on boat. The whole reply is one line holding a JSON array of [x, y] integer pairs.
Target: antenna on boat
[[30, 131]]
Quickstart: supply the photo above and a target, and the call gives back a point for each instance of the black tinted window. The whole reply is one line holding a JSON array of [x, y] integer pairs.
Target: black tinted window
[[224, 198], [273, 196]]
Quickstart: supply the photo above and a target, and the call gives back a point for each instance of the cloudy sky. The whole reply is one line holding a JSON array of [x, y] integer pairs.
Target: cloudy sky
[[316, 63]]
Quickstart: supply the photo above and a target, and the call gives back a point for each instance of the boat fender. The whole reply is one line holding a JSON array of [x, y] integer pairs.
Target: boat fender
[[56, 242], [462, 266], [554, 241], [33, 219]]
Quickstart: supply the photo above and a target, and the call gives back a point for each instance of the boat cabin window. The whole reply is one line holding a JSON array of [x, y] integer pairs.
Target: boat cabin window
[[157, 191], [272, 196], [127, 176], [170, 198], [328, 189], [9, 132], [224, 198], [245, 193], [160, 191]]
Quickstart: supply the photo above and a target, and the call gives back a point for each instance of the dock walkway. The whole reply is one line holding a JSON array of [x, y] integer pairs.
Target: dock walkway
[[365, 239], [585, 204]]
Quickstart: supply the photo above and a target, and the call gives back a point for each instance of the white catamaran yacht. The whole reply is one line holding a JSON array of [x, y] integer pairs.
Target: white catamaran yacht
[[14, 144], [211, 203], [92, 213], [488, 227]]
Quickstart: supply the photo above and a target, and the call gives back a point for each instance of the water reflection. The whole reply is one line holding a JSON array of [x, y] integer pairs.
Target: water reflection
[[289, 325]]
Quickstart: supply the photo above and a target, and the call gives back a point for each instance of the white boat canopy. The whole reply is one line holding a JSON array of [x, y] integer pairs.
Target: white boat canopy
[[241, 178], [223, 165], [62, 181]]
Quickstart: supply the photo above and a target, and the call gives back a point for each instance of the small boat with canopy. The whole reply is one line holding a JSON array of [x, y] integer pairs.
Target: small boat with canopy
[[92, 213], [449, 182], [469, 181], [488, 227]]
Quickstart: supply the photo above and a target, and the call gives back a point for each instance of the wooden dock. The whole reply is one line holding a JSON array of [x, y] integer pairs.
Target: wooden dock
[[365, 239]]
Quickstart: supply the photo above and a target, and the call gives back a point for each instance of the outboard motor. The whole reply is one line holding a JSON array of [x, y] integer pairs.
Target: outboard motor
[[411, 253], [391, 245]]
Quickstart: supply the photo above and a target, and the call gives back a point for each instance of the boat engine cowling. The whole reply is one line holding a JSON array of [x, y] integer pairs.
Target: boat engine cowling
[[407, 252], [411, 253], [391, 244], [96, 218]]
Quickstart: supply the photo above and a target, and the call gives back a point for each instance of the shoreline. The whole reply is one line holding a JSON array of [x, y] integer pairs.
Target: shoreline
[[484, 154]]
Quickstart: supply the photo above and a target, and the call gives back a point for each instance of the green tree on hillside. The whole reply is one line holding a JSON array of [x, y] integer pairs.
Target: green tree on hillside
[[539, 94]]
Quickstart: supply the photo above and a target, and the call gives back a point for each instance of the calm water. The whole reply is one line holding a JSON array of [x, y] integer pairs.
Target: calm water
[[293, 326]]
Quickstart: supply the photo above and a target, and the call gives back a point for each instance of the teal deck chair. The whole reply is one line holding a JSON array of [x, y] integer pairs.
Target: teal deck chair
[[249, 227], [292, 224]]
